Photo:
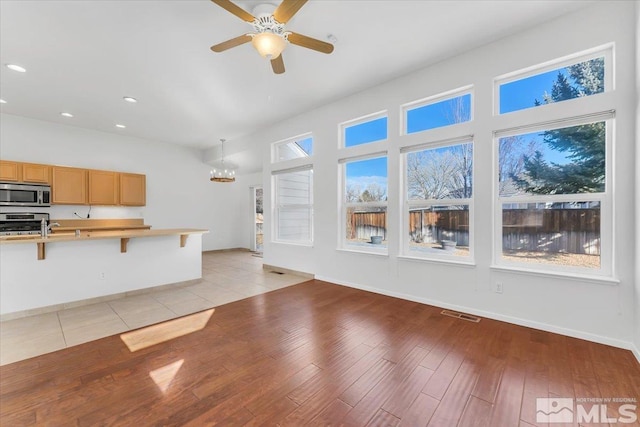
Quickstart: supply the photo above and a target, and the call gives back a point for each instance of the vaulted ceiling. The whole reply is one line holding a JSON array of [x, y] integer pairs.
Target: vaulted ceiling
[[83, 57]]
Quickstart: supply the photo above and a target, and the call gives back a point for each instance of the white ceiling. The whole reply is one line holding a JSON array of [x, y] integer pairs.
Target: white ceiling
[[84, 56]]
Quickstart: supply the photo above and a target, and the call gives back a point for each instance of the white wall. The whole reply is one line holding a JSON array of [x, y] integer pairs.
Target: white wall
[[637, 210], [179, 193], [594, 310]]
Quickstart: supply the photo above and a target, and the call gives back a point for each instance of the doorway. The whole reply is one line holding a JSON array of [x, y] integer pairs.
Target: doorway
[[257, 220]]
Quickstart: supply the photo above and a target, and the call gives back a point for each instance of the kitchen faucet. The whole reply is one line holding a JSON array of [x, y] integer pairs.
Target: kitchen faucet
[[46, 229]]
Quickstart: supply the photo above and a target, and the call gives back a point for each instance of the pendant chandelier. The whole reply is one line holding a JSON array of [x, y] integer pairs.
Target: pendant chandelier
[[223, 173]]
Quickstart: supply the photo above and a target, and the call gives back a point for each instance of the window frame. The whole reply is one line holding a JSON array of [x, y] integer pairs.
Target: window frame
[[408, 204], [605, 51], [434, 99], [358, 121], [344, 205], [275, 145], [605, 199], [277, 207]]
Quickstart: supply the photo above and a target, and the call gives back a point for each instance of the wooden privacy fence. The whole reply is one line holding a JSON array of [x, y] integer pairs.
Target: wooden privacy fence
[[363, 225], [574, 231], [432, 227], [553, 230]]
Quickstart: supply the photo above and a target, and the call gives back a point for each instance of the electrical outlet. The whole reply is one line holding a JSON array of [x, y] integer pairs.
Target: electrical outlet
[[102, 275], [498, 288]]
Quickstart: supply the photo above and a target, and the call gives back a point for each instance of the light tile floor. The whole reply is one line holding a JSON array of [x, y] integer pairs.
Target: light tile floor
[[226, 277]]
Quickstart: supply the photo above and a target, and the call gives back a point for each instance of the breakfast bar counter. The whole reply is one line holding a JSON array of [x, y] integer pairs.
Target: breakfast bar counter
[[123, 235], [85, 267]]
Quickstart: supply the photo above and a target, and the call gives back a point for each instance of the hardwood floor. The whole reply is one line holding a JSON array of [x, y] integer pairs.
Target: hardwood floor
[[318, 354]]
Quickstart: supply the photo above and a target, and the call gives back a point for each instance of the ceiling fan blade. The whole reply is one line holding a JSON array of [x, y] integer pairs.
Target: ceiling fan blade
[[287, 9], [221, 47], [236, 10], [278, 65], [310, 43]]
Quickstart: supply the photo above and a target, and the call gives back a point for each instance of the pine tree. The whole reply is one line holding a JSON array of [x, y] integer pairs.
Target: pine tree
[[583, 145]]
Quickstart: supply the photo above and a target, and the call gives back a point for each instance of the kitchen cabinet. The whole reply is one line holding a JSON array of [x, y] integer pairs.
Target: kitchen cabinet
[[32, 172], [133, 189], [9, 171], [69, 186], [103, 187]]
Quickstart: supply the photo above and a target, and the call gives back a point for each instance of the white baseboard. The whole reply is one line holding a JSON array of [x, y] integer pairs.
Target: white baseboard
[[635, 352], [495, 316]]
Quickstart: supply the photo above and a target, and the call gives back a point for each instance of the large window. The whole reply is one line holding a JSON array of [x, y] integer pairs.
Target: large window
[[364, 131], [294, 148], [438, 202], [559, 82], [554, 195], [365, 204], [294, 206], [437, 112], [552, 186], [292, 190]]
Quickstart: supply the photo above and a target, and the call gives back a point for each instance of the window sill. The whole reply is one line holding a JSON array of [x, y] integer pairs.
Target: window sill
[[603, 280], [383, 254], [461, 263], [284, 242]]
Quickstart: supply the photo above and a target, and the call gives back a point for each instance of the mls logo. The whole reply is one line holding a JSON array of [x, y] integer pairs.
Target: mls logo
[[554, 410]]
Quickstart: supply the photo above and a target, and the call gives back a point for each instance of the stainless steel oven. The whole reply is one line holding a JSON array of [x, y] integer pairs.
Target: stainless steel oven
[[13, 194], [21, 223]]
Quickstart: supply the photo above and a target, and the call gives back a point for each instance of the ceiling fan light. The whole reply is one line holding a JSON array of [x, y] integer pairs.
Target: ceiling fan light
[[269, 45]]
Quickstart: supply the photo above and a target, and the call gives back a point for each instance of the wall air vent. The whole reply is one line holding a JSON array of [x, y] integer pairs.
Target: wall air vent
[[462, 316]]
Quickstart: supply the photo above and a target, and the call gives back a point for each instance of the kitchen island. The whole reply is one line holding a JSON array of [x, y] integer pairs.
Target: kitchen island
[[65, 269]]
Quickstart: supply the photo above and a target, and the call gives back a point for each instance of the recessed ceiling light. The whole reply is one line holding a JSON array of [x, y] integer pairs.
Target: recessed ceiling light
[[120, 126], [130, 99], [66, 114], [17, 68], [2, 101]]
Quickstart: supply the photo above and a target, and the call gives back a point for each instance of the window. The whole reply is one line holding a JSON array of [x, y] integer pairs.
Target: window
[[438, 200], [294, 205], [364, 132], [552, 192], [576, 79], [294, 148], [431, 114], [365, 204]]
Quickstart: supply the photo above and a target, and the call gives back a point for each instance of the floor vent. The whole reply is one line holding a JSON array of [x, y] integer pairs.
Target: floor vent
[[462, 316], [276, 272]]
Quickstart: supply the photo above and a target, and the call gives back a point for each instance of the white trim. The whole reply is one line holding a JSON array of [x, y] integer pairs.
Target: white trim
[[626, 345], [470, 264], [635, 351], [302, 168], [606, 51], [368, 156], [602, 280], [342, 127], [436, 144], [434, 99], [382, 252], [294, 139], [563, 122]]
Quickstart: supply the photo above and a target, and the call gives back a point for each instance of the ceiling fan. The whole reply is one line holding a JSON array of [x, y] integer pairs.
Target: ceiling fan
[[270, 36]]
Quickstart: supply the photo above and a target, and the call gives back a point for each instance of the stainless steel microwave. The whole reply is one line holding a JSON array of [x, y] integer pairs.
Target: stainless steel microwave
[[14, 194]]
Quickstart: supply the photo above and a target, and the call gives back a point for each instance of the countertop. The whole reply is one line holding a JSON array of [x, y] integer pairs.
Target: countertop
[[96, 235]]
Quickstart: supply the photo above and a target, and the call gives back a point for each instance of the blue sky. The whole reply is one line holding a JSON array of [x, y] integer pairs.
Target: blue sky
[[514, 96]]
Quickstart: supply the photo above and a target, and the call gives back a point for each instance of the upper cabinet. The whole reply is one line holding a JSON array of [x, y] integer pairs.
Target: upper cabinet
[[32, 172], [76, 186], [133, 189], [69, 186], [9, 171], [103, 187], [25, 172]]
